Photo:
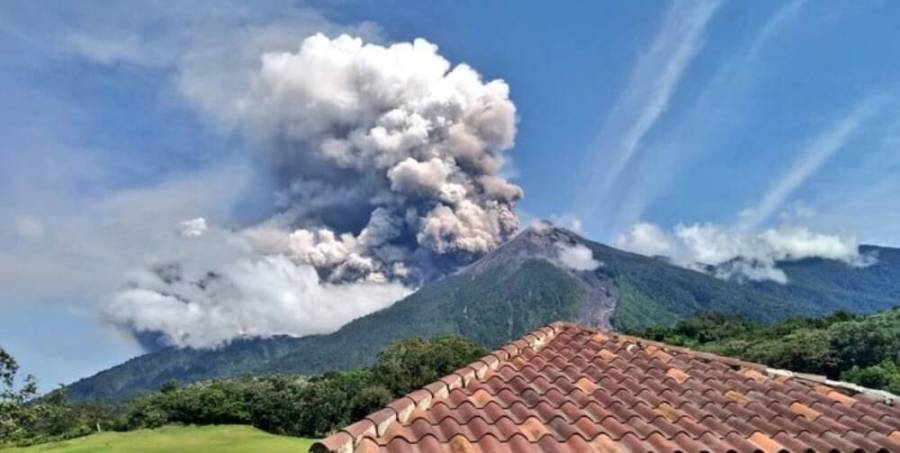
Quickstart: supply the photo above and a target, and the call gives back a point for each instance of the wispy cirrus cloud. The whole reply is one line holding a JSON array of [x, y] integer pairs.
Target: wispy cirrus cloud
[[809, 160], [867, 202], [693, 132], [701, 127], [650, 88]]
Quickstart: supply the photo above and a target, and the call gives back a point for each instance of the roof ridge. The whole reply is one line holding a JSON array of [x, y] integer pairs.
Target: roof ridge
[[345, 440]]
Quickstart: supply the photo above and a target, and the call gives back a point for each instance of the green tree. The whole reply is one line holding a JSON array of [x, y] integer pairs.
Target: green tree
[[168, 387], [14, 415], [806, 350], [8, 370], [415, 362], [326, 403], [369, 400], [860, 349], [885, 375]]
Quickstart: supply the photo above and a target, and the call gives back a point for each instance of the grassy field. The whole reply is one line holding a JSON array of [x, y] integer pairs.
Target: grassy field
[[193, 439]]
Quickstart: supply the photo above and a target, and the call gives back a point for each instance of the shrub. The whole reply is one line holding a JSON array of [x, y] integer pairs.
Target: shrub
[[369, 400], [415, 362]]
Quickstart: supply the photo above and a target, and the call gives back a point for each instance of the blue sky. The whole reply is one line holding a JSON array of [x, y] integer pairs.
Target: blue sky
[[741, 114]]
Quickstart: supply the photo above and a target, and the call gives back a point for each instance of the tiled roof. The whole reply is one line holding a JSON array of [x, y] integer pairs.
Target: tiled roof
[[567, 388]]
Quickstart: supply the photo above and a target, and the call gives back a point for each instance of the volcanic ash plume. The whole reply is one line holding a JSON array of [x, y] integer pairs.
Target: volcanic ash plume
[[388, 166]]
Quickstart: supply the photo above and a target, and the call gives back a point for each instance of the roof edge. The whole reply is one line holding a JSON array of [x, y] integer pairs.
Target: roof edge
[[848, 387], [855, 389], [730, 361], [347, 438]]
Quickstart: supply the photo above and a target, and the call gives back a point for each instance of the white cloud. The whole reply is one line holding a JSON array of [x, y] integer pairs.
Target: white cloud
[[738, 253], [646, 239], [576, 257], [568, 221], [254, 296], [193, 227], [29, 227], [793, 243]]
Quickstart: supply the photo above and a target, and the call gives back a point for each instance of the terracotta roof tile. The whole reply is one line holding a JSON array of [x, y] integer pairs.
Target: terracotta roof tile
[[339, 442], [437, 390], [570, 389], [382, 419], [362, 428]]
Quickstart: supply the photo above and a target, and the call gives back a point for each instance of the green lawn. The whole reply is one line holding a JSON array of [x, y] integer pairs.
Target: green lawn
[[193, 439]]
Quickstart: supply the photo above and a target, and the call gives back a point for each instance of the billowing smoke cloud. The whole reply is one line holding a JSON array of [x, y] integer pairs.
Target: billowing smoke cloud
[[384, 155], [738, 254], [387, 162]]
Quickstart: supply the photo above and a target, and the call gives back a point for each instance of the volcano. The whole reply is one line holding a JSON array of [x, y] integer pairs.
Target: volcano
[[522, 285]]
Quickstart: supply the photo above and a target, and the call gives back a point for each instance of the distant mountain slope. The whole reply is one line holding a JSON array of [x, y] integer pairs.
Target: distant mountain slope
[[517, 288], [652, 291], [652, 294], [151, 371], [832, 285], [488, 308]]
